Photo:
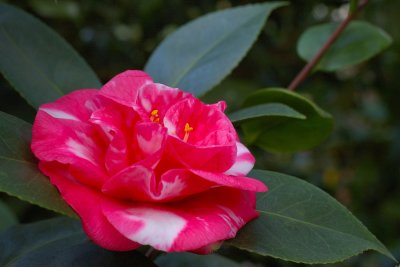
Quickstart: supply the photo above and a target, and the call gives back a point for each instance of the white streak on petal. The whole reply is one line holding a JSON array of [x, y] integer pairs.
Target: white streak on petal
[[146, 104], [170, 126], [92, 105], [171, 188], [231, 219], [244, 161], [79, 150], [159, 228], [152, 145], [58, 114]]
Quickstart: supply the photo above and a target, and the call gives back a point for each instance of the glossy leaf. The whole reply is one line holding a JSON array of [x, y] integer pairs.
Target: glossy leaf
[[19, 175], [201, 53], [189, 259], [284, 134], [301, 223], [59, 242], [7, 218], [36, 61], [357, 43], [265, 110]]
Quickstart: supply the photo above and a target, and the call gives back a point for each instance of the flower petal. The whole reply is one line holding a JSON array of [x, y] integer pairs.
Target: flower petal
[[203, 119], [156, 96], [239, 182], [135, 182], [71, 106], [244, 161], [150, 141], [117, 123], [69, 142], [86, 203], [214, 158], [221, 105], [185, 225], [124, 87], [140, 184]]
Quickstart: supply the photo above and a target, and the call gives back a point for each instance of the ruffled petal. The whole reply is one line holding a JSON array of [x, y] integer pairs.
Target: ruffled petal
[[140, 184], [135, 182], [69, 142], [117, 123], [116, 158], [71, 106], [158, 97], [221, 105], [215, 158], [149, 140], [186, 225], [239, 182], [244, 161], [124, 87], [88, 174], [203, 119], [86, 203]]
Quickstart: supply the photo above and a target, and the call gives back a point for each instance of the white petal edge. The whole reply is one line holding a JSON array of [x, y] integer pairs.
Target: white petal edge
[[244, 162]]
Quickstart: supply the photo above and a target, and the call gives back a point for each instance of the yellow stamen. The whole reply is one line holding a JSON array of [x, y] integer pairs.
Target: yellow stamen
[[154, 115], [187, 130]]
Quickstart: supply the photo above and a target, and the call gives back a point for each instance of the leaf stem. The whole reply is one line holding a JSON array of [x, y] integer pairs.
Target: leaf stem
[[335, 35]]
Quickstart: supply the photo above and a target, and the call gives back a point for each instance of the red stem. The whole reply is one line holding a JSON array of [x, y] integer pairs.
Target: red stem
[[314, 61]]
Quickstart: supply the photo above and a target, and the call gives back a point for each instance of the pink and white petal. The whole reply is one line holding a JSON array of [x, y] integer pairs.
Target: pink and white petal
[[124, 87], [117, 154], [214, 216], [221, 105], [177, 184], [213, 158], [86, 203], [108, 121], [244, 161], [188, 225], [239, 182], [150, 139], [139, 183], [145, 224], [71, 106], [88, 174], [135, 182], [156, 96], [113, 117], [69, 140], [203, 119]]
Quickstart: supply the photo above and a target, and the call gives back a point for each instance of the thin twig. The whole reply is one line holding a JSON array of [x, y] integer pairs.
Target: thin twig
[[314, 61]]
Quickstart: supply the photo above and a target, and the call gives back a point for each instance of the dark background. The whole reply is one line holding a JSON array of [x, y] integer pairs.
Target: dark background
[[359, 164]]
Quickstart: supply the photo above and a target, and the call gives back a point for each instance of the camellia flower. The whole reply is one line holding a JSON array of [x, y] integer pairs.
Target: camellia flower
[[145, 164]]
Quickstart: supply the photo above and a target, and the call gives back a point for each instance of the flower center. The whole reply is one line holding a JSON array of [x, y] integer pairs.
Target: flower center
[[187, 130], [154, 115]]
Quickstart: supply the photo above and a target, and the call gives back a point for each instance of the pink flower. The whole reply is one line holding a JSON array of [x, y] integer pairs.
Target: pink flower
[[145, 164]]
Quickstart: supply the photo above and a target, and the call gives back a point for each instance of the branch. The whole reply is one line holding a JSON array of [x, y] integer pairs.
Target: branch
[[335, 35]]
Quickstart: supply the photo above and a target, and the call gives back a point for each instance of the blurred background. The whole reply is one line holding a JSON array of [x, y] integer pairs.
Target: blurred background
[[360, 162]]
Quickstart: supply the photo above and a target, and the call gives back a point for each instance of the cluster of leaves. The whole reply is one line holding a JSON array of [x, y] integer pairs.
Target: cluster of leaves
[[298, 221]]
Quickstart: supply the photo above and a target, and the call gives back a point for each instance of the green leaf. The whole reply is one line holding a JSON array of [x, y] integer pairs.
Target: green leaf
[[201, 53], [189, 259], [358, 42], [301, 223], [36, 61], [59, 242], [285, 134], [19, 175], [265, 110], [7, 218]]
